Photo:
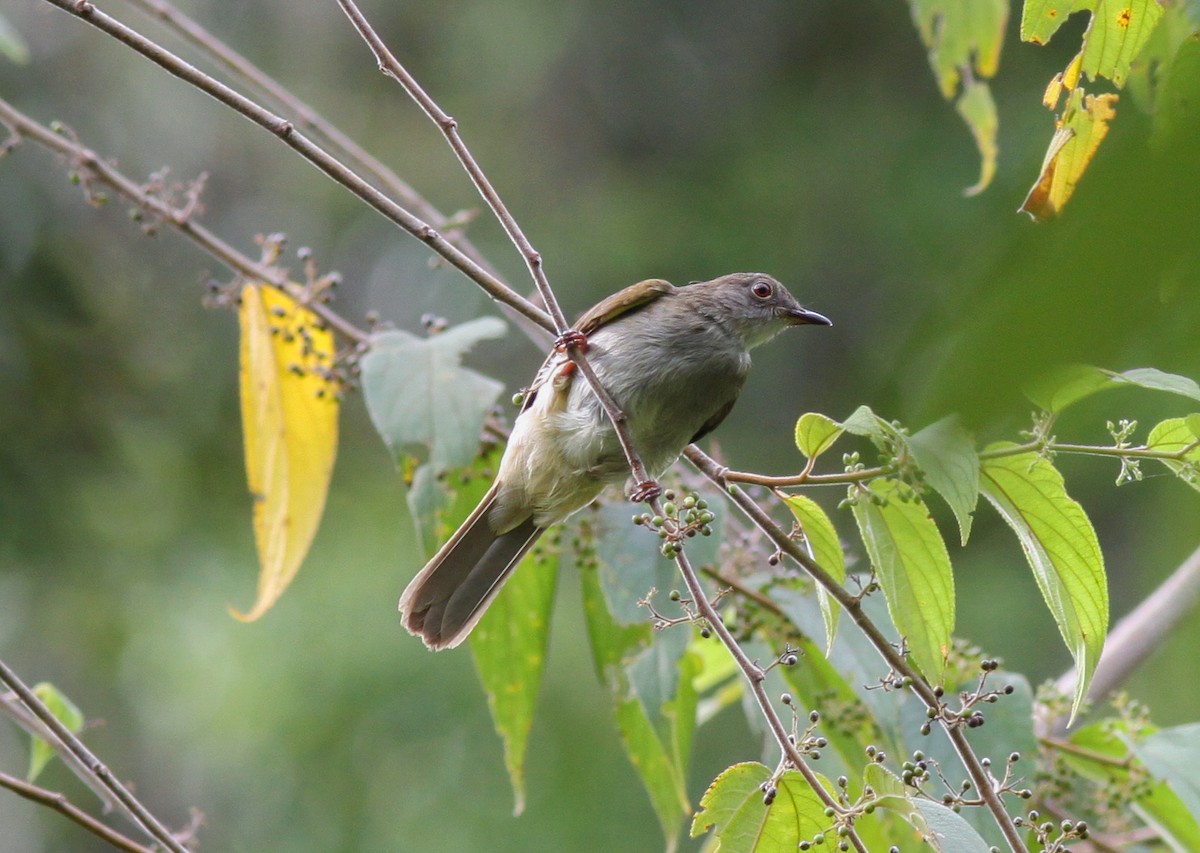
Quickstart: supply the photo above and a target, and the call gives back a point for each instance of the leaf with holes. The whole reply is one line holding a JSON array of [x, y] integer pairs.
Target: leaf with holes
[[733, 807]]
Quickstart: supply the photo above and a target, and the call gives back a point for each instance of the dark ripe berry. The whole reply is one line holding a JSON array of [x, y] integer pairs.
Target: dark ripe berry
[[814, 716], [786, 698], [789, 660], [1008, 689], [1014, 758], [705, 633]]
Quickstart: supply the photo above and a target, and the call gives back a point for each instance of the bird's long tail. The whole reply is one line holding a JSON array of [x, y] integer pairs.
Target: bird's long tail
[[444, 601]]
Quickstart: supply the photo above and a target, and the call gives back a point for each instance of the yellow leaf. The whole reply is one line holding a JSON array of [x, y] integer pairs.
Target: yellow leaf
[[289, 424], [1078, 133]]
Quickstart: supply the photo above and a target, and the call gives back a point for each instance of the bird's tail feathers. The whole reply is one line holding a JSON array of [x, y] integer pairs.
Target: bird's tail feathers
[[449, 596]]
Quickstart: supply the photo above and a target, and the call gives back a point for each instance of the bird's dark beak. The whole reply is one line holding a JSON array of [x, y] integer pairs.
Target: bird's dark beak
[[801, 316]]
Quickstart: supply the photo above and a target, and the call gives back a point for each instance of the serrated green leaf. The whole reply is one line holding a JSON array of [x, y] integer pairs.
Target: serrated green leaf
[[1179, 435], [1067, 385], [866, 423], [1062, 549], [421, 399], [816, 433], [733, 807], [824, 547], [913, 568], [945, 451], [509, 649], [65, 711], [1117, 32]]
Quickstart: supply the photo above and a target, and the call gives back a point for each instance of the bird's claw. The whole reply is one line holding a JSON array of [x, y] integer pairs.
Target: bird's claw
[[647, 490], [571, 339]]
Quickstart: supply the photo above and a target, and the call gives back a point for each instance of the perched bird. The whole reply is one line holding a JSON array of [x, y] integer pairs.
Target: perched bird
[[674, 360]]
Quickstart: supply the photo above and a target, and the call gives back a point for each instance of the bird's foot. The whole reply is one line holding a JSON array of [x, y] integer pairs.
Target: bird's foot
[[647, 490], [571, 339]]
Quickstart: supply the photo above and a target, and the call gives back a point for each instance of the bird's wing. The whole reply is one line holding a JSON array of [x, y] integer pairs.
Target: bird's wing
[[617, 305], [622, 302], [715, 421]]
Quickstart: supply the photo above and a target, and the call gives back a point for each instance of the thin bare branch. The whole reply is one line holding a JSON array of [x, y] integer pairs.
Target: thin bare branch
[[286, 132], [150, 824], [59, 803], [84, 159]]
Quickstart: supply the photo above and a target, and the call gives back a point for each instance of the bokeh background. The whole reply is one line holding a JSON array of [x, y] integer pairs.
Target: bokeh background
[[676, 140]]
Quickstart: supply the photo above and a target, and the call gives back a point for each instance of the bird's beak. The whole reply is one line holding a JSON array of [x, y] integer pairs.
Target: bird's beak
[[800, 316]]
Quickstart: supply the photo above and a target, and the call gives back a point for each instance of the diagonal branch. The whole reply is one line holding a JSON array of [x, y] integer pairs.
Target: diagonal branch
[[151, 825], [286, 132], [84, 159], [894, 659], [59, 803]]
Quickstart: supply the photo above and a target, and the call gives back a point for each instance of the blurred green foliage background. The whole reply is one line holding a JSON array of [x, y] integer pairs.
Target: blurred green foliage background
[[675, 140]]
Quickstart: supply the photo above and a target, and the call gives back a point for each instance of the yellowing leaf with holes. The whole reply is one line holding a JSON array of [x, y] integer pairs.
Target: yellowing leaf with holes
[[1078, 133], [964, 39], [1117, 32], [289, 426]]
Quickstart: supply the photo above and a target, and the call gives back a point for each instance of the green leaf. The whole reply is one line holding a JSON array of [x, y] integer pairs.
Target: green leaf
[[64, 710], [509, 649], [660, 762], [1178, 114], [1067, 385], [421, 399], [1117, 32], [1172, 755], [1062, 549], [733, 806], [964, 38], [1159, 806], [866, 423], [945, 451], [1179, 435], [824, 547], [913, 568], [12, 45], [816, 433], [949, 832]]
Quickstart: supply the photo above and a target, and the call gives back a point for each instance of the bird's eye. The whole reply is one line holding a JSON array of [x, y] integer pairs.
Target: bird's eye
[[761, 289]]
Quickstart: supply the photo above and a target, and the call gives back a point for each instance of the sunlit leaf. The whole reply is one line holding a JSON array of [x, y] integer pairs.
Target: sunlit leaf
[[421, 399], [964, 38], [866, 423], [1116, 33], [1179, 435], [1067, 385], [945, 451], [816, 433], [509, 649], [1062, 549], [1078, 133], [822, 538], [913, 568], [733, 807], [64, 710], [289, 426]]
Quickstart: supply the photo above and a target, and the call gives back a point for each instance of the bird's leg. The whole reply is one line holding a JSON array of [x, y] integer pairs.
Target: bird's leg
[[646, 490], [571, 339]]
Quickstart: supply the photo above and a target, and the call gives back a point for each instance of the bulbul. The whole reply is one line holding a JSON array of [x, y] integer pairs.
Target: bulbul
[[674, 360]]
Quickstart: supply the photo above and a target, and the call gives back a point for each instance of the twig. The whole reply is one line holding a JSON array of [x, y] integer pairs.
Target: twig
[[1136, 636], [103, 171], [287, 133], [333, 137], [148, 822], [391, 66], [897, 662], [60, 804]]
